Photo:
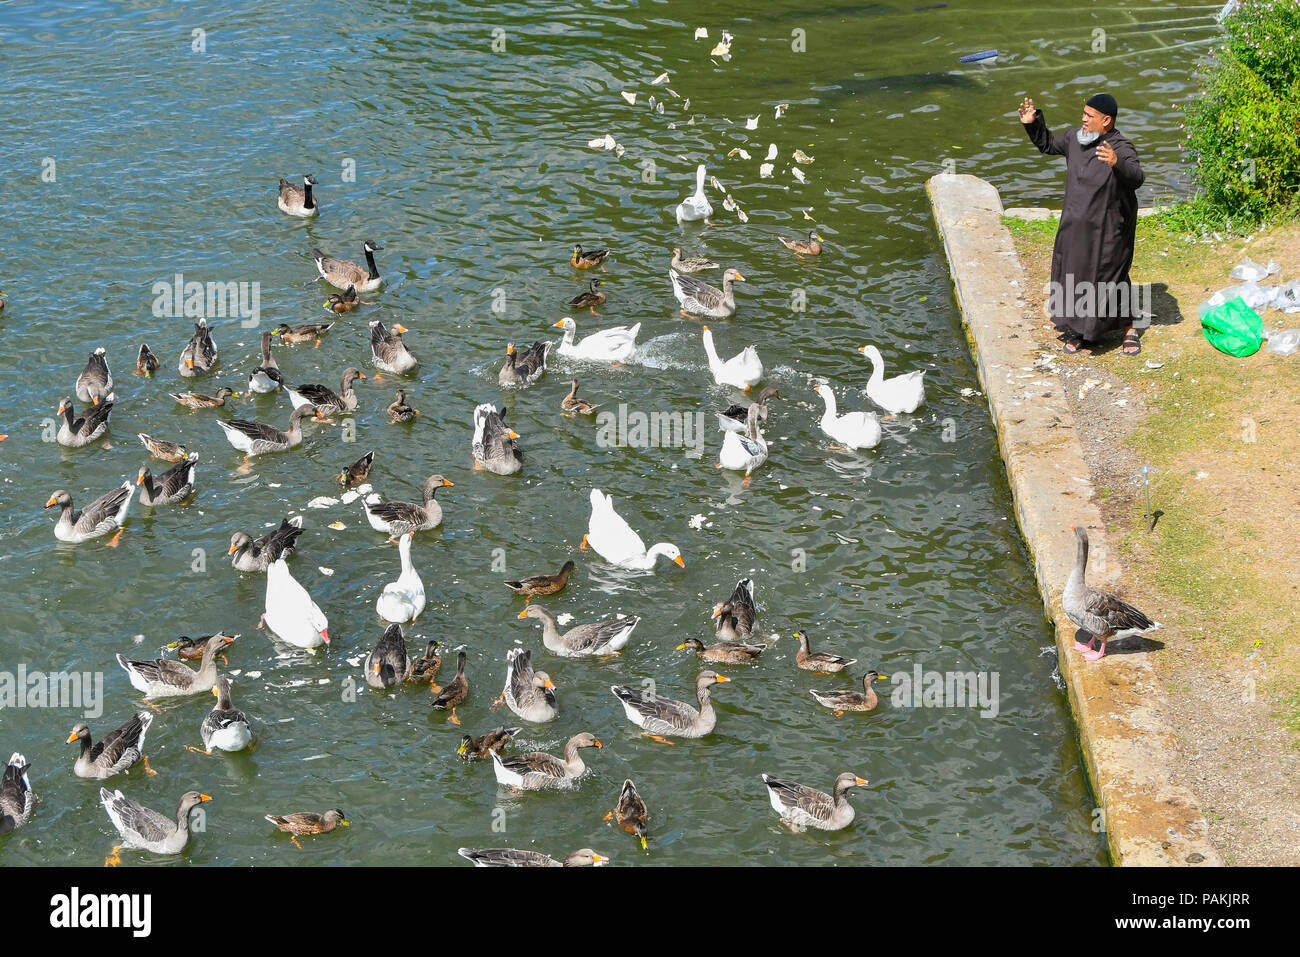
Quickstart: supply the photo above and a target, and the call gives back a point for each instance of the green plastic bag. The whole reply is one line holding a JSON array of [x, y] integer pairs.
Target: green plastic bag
[[1234, 328]]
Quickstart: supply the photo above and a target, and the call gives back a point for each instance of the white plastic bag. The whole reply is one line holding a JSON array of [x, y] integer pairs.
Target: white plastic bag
[[1252, 271], [1256, 296], [1284, 343], [1288, 296]]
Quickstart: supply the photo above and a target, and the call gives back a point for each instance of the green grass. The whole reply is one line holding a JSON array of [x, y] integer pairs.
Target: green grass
[[1030, 227]]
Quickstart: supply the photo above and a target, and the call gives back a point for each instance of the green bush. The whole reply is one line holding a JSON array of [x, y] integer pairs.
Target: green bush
[[1243, 130]]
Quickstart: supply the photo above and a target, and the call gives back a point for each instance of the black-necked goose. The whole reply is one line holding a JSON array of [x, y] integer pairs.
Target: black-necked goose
[[298, 200], [341, 273], [1099, 613]]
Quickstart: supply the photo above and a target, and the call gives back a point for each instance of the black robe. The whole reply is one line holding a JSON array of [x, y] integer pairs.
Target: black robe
[[1091, 293]]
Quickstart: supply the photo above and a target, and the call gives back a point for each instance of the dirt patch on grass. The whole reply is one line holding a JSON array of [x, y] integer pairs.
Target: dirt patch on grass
[[1221, 568]]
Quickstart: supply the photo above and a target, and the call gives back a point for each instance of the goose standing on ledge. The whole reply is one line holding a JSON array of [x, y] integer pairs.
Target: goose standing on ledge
[[696, 206], [388, 351], [1099, 613], [105, 514], [700, 300], [657, 715], [146, 830], [803, 807], [900, 395], [341, 273], [537, 770], [605, 637], [119, 750], [398, 518], [298, 200], [200, 353], [266, 377], [613, 539], [95, 383]]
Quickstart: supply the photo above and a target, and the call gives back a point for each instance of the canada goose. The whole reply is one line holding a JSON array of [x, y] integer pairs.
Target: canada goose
[[342, 273], [298, 200]]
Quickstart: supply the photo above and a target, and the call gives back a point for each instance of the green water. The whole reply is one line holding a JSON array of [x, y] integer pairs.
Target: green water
[[472, 168]]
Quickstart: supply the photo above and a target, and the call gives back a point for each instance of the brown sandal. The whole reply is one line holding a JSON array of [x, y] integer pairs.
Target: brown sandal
[[1131, 339]]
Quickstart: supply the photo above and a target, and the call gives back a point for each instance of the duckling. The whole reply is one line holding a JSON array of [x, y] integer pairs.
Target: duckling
[[812, 246], [304, 823], [471, 748], [197, 400], [572, 404], [345, 301], [726, 652], [590, 299], [399, 411], [357, 472], [303, 333], [161, 448], [819, 661], [146, 363], [200, 353], [588, 259], [690, 265], [298, 200], [455, 693], [631, 812], [536, 585], [841, 701]]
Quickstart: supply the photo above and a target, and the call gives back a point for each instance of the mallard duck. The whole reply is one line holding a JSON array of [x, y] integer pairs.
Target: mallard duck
[[389, 352], [537, 770], [736, 417], [256, 438], [744, 452], [105, 514], [571, 403], [455, 693], [616, 344], [399, 411], [605, 637], [402, 600], [256, 556], [290, 613], [80, 430], [812, 246], [696, 206], [528, 693], [613, 539], [326, 400], [700, 300], [536, 585], [357, 472], [820, 661], [900, 395], [587, 258], [802, 807], [200, 353], [308, 332], [723, 652], [427, 666], [17, 799], [590, 299], [398, 518], [388, 663], [119, 750], [1099, 613], [3, 296], [494, 446], [524, 368], [191, 649], [161, 448], [165, 678], [298, 200], [690, 265], [306, 823], [345, 301], [657, 715], [146, 830], [734, 618], [146, 363], [742, 370], [197, 400], [341, 273], [841, 701], [496, 740], [631, 812], [224, 727], [172, 487], [95, 384], [509, 857], [853, 430], [266, 377]]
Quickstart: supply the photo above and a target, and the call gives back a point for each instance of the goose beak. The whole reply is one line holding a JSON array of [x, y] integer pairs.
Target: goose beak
[[723, 679], [861, 782], [446, 484], [557, 324], [551, 686], [139, 478], [205, 798], [400, 328], [522, 614], [599, 859], [94, 400], [229, 638], [189, 363], [72, 737], [514, 434], [597, 744], [681, 646], [680, 561], [361, 375], [325, 633], [862, 349], [233, 549], [216, 692], [716, 613]]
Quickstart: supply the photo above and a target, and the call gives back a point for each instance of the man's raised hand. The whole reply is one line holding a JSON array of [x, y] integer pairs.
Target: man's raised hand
[[1027, 111]]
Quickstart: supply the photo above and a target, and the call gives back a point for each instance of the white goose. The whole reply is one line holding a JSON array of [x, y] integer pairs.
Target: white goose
[[744, 452], [853, 430], [402, 600], [741, 370], [900, 395], [612, 538], [695, 207], [290, 612], [616, 344]]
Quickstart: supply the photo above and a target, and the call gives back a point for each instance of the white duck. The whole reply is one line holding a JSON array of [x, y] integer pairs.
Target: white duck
[[612, 538], [853, 430], [402, 600], [696, 206], [900, 395], [290, 612], [741, 370], [616, 344], [744, 452]]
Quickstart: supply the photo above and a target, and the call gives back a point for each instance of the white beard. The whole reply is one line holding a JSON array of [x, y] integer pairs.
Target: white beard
[[1086, 139]]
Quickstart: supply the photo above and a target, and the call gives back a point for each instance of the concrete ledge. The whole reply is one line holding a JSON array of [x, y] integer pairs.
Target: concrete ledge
[[1148, 818], [1033, 213]]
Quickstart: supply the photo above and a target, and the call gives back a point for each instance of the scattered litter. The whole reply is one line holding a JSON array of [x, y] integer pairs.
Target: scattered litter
[[630, 97], [1088, 386], [563, 618], [723, 47], [252, 674], [797, 173], [985, 56], [1288, 296], [1154, 365], [807, 214], [1120, 402], [696, 521], [781, 108], [968, 393], [701, 33], [338, 526], [1252, 271], [350, 496], [743, 154], [765, 171], [801, 157], [729, 204], [374, 498], [751, 124], [605, 142], [1202, 475], [322, 501], [136, 639], [325, 571], [660, 79], [713, 181], [742, 215], [771, 152], [1284, 343]]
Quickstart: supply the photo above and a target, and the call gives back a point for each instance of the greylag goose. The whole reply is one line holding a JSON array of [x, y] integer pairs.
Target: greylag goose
[[356, 473], [632, 813], [699, 300], [224, 727], [255, 556], [455, 693], [388, 351], [528, 693], [537, 770], [200, 353], [822, 662], [76, 431], [571, 402], [400, 411], [509, 857], [812, 246], [171, 487], [658, 716], [723, 652], [95, 384], [165, 678], [146, 363], [736, 417], [298, 200], [161, 448], [734, 618], [257, 438], [267, 376], [524, 368], [537, 585], [604, 637], [494, 446], [495, 740], [587, 258], [1099, 613], [341, 273], [105, 514], [326, 400], [17, 799], [119, 750], [388, 663], [398, 518], [146, 830], [803, 807], [690, 265], [306, 823], [197, 400], [841, 701]]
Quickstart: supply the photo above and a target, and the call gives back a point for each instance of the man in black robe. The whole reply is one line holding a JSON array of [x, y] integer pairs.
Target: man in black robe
[[1091, 293]]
